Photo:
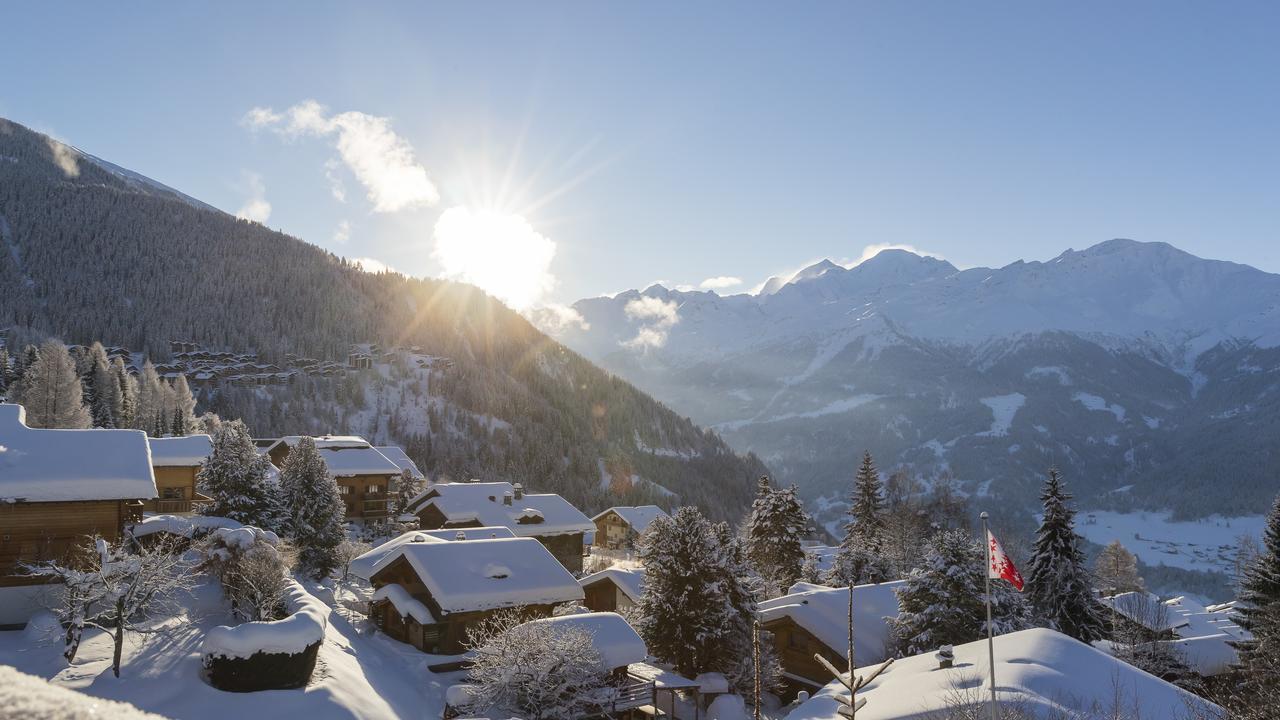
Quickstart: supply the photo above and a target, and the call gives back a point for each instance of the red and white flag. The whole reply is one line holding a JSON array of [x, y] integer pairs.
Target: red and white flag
[[999, 566]]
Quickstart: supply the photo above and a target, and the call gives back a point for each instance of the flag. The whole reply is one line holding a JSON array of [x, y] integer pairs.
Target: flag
[[999, 566]]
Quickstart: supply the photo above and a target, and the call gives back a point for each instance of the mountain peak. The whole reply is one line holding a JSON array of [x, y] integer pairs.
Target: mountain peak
[[815, 270]]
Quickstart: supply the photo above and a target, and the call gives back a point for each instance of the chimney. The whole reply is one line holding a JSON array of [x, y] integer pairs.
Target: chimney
[[460, 536], [946, 656], [506, 498], [519, 488]]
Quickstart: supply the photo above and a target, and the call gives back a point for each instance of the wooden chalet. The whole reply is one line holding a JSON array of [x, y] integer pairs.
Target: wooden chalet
[[618, 527], [56, 488], [428, 593], [366, 478], [176, 461], [548, 518], [814, 620], [612, 590]]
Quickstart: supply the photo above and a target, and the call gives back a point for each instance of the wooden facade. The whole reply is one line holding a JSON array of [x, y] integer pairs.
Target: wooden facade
[[176, 487], [36, 531], [368, 497], [614, 532], [445, 637], [604, 595], [796, 647]]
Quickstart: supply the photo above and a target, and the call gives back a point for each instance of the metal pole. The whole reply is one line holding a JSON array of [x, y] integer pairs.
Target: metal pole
[[853, 694], [991, 645]]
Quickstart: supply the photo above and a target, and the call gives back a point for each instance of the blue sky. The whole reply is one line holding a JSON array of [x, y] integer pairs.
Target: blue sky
[[680, 142]]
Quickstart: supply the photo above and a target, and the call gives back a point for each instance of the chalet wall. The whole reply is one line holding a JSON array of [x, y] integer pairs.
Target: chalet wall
[[367, 497], [796, 648], [566, 548], [613, 532], [33, 532], [181, 482]]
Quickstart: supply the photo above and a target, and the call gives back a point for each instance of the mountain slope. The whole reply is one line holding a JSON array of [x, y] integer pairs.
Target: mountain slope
[[1152, 377], [93, 252]]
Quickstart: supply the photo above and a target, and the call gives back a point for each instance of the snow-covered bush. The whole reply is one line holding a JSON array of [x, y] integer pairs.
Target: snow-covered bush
[[540, 671], [268, 655], [253, 566]]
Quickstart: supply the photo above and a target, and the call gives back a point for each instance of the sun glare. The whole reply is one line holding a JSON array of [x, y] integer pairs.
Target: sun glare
[[498, 252]]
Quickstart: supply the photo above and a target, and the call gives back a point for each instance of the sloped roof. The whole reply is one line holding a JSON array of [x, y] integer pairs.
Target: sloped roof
[[346, 455], [532, 515], [477, 575], [362, 567], [824, 613], [189, 451], [1045, 671], [38, 465], [1143, 608], [617, 642], [638, 517], [401, 460], [630, 582]]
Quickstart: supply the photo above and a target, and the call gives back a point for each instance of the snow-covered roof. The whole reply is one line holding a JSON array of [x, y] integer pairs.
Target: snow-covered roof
[[1142, 608], [348, 461], [1205, 636], [617, 642], [326, 441], [38, 465], [824, 613], [401, 460], [404, 603], [487, 574], [28, 696], [362, 567], [1045, 671], [630, 582], [185, 526], [532, 515], [638, 517], [189, 451]]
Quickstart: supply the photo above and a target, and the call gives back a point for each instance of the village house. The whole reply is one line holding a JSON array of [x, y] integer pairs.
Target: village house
[[176, 461], [618, 527], [814, 619], [366, 478], [58, 487], [613, 590], [1202, 637], [547, 517], [362, 567], [428, 594]]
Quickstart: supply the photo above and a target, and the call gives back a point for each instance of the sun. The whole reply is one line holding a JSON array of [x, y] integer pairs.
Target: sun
[[499, 252]]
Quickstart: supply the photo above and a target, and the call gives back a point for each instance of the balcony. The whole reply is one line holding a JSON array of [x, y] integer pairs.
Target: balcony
[[375, 505]]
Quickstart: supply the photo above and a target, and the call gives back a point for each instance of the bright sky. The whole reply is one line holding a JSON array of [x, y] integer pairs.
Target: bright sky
[[552, 151]]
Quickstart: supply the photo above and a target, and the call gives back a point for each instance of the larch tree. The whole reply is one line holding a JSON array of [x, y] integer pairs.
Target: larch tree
[[314, 510], [104, 391], [183, 410], [1115, 570], [51, 391], [149, 414], [238, 480], [128, 394], [943, 602], [774, 532], [1059, 586]]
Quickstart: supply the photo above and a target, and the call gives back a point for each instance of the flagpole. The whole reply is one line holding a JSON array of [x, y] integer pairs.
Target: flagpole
[[991, 645]]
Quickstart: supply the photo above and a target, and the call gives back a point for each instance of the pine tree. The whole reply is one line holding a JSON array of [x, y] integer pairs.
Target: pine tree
[[1259, 613], [127, 416], [182, 407], [866, 508], [238, 480], [856, 563], [943, 602], [149, 412], [1116, 570], [774, 532], [28, 357], [1059, 586], [314, 509], [104, 391], [740, 586], [408, 487], [4, 370], [51, 391]]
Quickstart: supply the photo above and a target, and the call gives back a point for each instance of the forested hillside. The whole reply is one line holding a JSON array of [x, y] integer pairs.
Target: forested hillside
[[91, 253]]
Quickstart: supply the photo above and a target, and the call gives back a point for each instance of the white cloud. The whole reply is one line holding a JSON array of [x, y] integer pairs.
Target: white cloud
[[554, 319], [67, 159], [337, 188], [381, 160], [499, 253], [342, 233], [373, 265], [720, 283], [255, 208], [656, 315]]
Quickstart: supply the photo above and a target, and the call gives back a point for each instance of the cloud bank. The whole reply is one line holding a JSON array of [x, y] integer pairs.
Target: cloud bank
[[656, 316], [720, 282], [255, 208]]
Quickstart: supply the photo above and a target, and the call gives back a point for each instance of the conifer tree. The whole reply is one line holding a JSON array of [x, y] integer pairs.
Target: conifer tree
[[1259, 613], [127, 417], [1059, 586], [51, 391], [740, 586], [149, 412], [774, 531], [4, 371], [28, 357], [943, 602], [408, 487], [314, 509], [104, 391], [860, 559], [238, 480], [181, 406]]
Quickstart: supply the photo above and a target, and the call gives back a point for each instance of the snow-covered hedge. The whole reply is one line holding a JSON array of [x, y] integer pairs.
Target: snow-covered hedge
[[268, 655]]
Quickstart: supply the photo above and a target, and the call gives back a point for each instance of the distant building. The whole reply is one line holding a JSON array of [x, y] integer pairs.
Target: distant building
[[549, 518], [176, 461], [365, 476], [613, 590], [618, 527], [362, 567]]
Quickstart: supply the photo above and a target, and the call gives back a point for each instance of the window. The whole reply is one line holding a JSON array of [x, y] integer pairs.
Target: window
[[173, 493], [344, 489], [373, 489]]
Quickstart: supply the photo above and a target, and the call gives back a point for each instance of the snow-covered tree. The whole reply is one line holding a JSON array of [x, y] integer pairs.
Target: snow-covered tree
[[128, 416], [1059, 586], [741, 586], [253, 567], [866, 506], [536, 670], [1115, 570], [121, 589], [182, 409], [149, 414], [103, 390], [313, 508], [4, 371], [857, 563], [408, 487], [943, 602], [1259, 613], [51, 392], [774, 531], [239, 481]]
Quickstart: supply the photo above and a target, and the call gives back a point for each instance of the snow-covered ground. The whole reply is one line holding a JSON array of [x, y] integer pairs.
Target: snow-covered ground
[[359, 674], [1003, 408], [1208, 544]]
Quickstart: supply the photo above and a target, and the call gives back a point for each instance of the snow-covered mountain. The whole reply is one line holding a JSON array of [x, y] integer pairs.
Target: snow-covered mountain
[[1150, 375]]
